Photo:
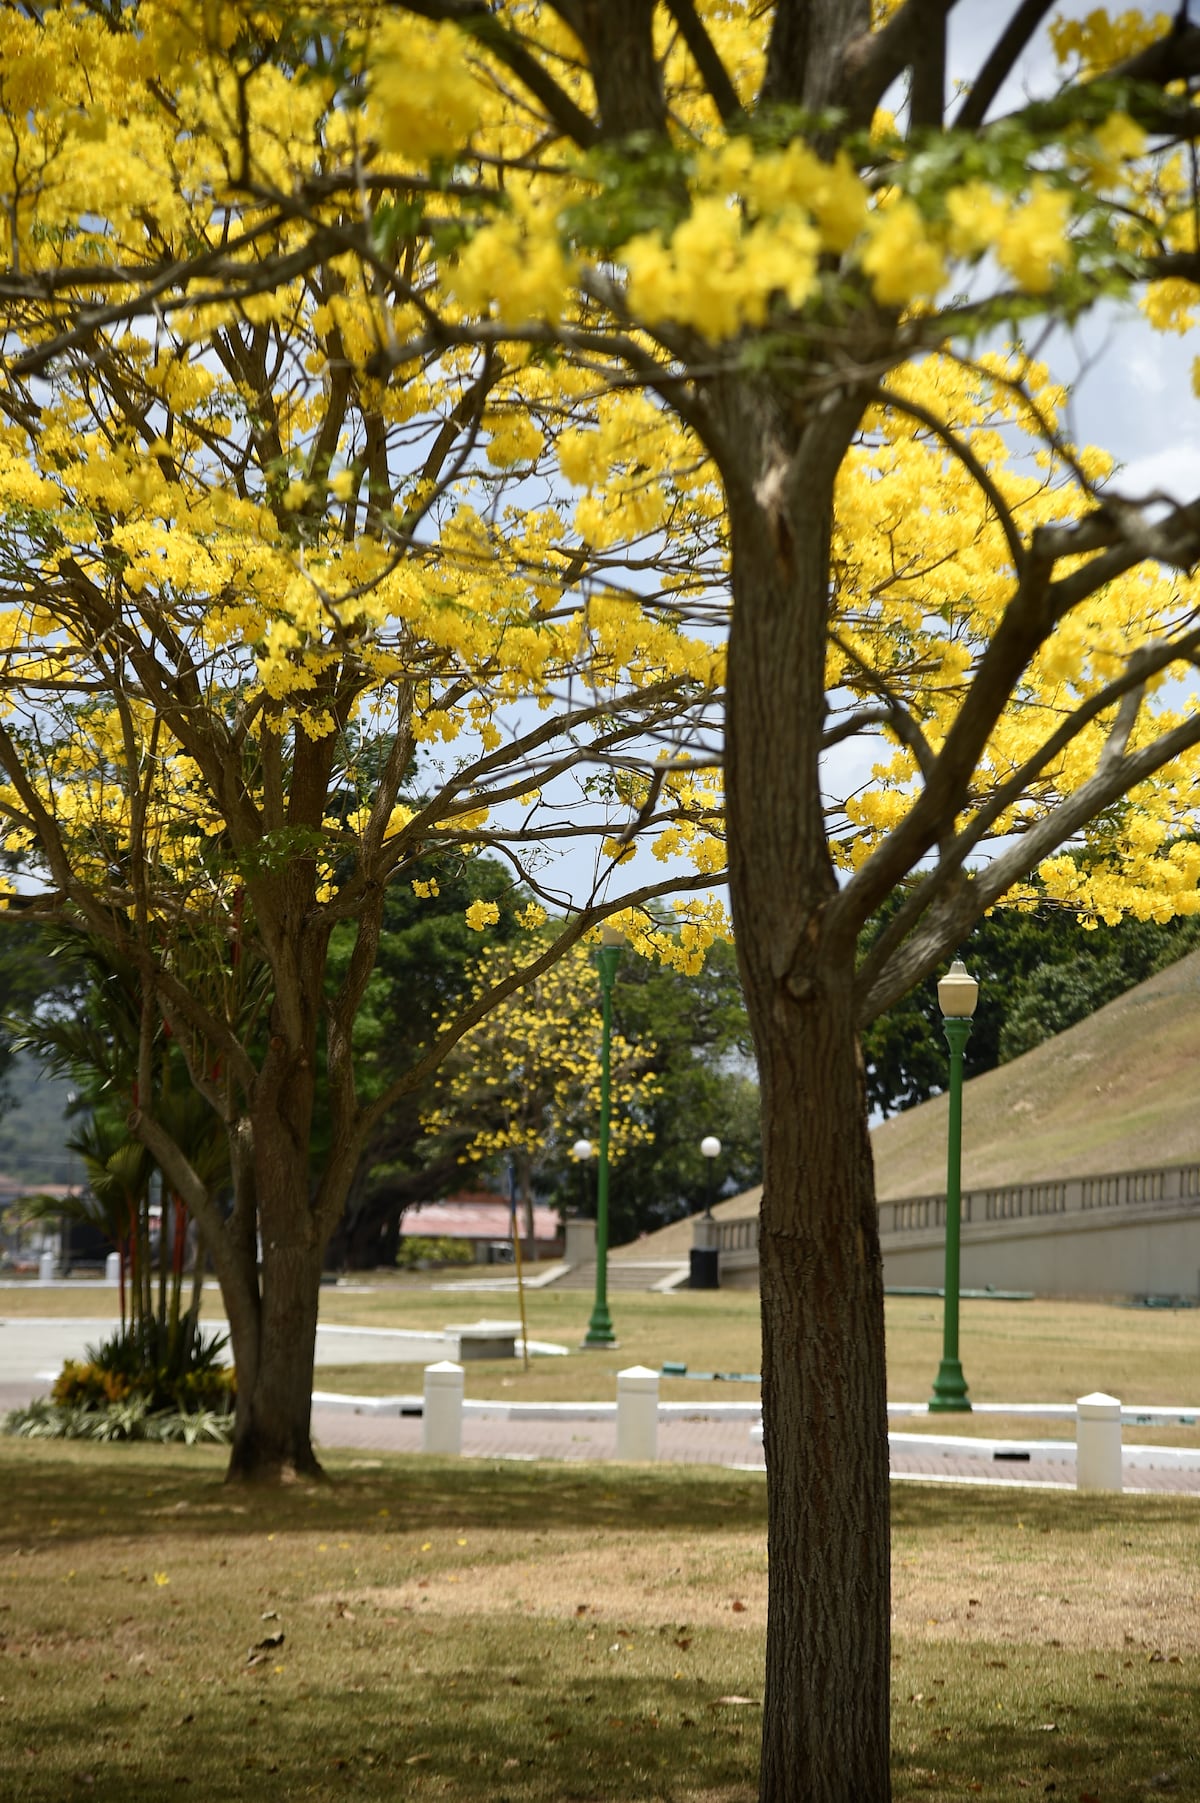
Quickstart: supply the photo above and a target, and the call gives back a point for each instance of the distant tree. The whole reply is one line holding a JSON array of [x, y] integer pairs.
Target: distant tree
[[426, 956], [706, 1085], [1054, 996], [524, 1084], [30, 974]]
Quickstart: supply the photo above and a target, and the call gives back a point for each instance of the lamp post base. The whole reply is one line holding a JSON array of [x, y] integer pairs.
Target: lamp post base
[[949, 1390], [600, 1333]]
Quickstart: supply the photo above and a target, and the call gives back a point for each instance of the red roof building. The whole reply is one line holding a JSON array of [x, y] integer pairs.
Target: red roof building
[[484, 1218]]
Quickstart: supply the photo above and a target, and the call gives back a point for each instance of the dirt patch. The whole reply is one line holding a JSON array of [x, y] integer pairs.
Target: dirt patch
[[618, 1586], [1003, 1596], [1076, 1601]]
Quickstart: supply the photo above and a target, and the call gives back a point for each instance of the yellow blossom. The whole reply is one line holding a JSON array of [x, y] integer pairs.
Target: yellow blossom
[[902, 260], [1033, 245], [482, 914]]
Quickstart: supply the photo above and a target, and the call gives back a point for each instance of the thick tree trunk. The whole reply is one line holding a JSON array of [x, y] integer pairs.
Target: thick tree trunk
[[272, 1438], [826, 1704], [825, 1725]]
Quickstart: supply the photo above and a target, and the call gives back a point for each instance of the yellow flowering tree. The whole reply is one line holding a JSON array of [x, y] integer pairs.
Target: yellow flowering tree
[[280, 629], [525, 1083], [679, 265]]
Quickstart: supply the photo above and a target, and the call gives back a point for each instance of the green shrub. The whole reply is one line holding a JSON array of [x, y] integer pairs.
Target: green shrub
[[179, 1372], [127, 1420], [414, 1251]]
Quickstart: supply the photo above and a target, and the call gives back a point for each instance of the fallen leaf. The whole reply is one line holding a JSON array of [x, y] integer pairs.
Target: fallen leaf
[[738, 1607]]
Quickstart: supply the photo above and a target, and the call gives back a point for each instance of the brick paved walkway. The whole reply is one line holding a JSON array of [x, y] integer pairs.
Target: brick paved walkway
[[697, 1442], [686, 1441]]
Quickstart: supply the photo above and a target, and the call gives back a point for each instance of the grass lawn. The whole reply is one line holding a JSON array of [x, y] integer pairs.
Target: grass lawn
[[539, 1634], [1041, 1351]]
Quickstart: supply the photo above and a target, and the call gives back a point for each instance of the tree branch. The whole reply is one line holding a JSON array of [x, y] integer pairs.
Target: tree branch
[[477, 19], [713, 72], [1000, 63]]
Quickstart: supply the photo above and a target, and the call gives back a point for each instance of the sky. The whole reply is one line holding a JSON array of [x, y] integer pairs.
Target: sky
[[1135, 398]]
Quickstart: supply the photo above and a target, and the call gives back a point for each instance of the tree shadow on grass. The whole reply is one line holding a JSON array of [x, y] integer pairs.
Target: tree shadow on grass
[[97, 1492], [510, 1736], [1138, 1742]]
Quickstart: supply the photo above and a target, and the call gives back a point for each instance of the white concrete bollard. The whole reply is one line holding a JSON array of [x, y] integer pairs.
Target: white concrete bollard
[[1097, 1442], [441, 1426], [46, 1264], [637, 1413], [112, 1268]]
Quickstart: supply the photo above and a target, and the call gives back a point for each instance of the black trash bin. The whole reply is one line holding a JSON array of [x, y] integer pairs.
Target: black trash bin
[[705, 1268]]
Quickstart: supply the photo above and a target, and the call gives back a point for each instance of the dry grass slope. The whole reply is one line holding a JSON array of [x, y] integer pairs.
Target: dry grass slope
[[1118, 1092]]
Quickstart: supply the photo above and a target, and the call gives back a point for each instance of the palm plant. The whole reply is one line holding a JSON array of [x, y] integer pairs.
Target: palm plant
[[96, 1044]]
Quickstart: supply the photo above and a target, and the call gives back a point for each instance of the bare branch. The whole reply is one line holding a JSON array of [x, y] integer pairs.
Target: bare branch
[[478, 20], [713, 73], [1000, 63]]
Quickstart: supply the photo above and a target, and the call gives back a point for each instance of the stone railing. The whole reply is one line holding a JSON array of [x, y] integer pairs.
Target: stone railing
[[738, 1236], [1133, 1190]]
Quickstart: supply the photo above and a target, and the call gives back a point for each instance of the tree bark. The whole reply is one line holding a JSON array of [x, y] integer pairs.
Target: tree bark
[[826, 1703], [275, 1343]]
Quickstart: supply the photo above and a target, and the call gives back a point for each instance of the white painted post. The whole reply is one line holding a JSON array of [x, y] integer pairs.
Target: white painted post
[[1097, 1442], [112, 1268], [46, 1268], [441, 1426], [637, 1413]]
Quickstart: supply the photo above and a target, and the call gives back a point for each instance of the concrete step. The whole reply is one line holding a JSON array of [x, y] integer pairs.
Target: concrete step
[[625, 1275]]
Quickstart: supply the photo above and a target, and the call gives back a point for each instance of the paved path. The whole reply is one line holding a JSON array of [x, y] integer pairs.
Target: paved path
[[29, 1350], [693, 1441]]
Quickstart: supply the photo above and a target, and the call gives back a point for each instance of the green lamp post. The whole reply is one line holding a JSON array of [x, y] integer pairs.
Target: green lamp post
[[608, 956], [958, 993]]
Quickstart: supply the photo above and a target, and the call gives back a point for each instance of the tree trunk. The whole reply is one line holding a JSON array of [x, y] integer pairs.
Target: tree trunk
[[272, 1438], [825, 1722], [826, 1703]]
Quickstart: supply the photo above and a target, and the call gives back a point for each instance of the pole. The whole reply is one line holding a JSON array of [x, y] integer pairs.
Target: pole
[[950, 1386], [516, 1240], [600, 1327]]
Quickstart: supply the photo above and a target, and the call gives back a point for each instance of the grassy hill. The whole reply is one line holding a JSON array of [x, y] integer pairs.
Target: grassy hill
[[1118, 1092]]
